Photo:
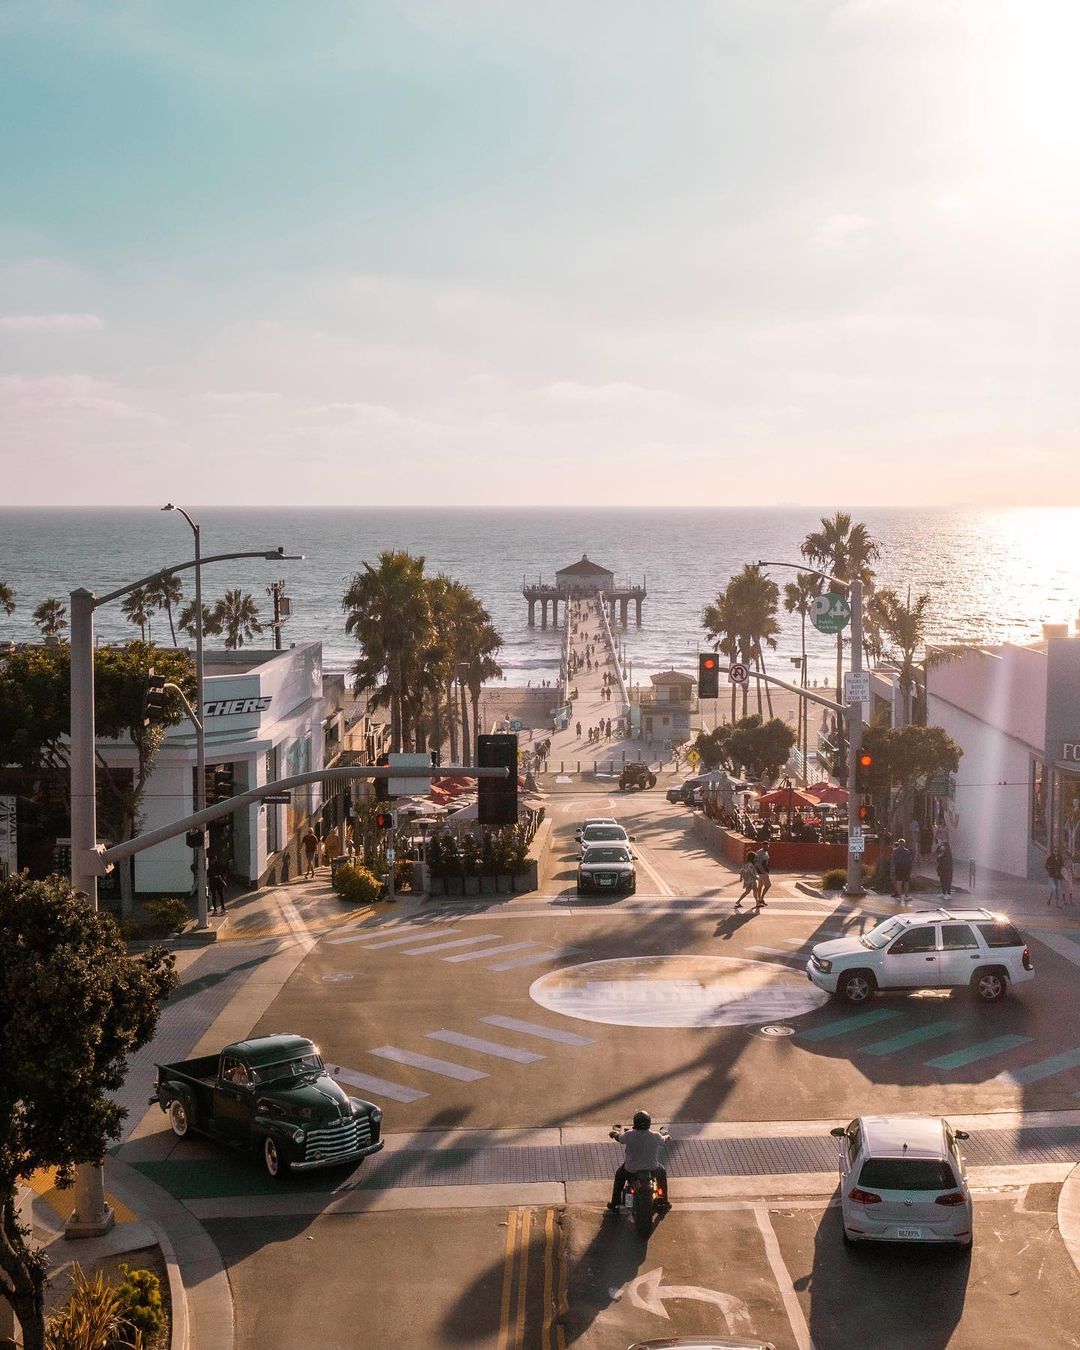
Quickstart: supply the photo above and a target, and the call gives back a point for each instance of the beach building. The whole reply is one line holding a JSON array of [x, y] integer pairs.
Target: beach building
[[1015, 712], [667, 710]]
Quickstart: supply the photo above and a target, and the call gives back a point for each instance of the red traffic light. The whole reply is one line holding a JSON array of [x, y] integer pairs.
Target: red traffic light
[[708, 662], [866, 761]]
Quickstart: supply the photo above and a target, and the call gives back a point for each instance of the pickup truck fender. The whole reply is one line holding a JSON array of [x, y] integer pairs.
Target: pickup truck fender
[[262, 1125], [171, 1091]]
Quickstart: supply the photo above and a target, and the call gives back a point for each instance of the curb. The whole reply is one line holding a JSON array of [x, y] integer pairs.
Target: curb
[[203, 1315], [1068, 1215]]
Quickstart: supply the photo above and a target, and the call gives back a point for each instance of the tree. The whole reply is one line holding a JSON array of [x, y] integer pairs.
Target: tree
[[164, 592], [73, 1007], [762, 748], [237, 616], [906, 758], [904, 625], [799, 597], [721, 629], [211, 621], [7, 598], [740, 620], [51, 617], [388, 612], [137, 609]]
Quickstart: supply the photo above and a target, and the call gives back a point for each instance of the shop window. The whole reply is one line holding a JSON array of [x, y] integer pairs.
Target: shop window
[[1038, 801], [1070, 816]]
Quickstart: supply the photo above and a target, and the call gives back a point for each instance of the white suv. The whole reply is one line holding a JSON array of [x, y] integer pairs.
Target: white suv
[[929, 949]]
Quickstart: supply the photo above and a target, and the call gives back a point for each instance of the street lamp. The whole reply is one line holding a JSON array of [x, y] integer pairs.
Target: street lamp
[[203, 920], [854, 714], [92, 1216]]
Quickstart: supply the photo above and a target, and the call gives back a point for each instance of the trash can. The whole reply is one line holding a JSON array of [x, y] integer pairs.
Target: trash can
[[335, 863]]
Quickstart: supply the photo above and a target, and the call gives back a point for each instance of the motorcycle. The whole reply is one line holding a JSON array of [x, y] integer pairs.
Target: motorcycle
[[642, 1193]]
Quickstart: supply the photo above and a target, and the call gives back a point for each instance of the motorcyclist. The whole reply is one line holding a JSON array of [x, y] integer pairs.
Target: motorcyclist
[[641, 1147]]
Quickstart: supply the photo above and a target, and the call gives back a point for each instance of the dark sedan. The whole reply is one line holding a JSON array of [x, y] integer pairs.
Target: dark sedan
[[607, 867]]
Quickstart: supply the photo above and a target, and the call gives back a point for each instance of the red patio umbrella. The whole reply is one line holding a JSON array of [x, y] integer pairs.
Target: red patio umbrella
[[783, 797], [832, 795]]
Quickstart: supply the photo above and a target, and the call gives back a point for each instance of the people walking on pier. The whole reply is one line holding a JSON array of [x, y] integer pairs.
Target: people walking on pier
[[579, 731]]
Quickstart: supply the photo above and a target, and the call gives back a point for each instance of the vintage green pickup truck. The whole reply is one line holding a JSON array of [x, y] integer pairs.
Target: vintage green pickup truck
[[273, 1096]]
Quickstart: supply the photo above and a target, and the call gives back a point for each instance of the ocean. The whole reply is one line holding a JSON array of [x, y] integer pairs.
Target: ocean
[[991, 574]]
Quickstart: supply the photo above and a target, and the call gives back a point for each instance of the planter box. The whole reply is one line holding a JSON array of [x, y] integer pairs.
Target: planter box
[[523, 881], [505, 884], [420, 881], [436, 885], [455, 885], [472, 885], [489, 886]]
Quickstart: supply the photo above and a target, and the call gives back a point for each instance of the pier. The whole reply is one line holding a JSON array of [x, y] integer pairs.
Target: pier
[[578, 581]]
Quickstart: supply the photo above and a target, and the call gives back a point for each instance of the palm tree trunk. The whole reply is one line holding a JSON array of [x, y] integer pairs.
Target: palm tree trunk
[[756, 657], [734, 692], [466, 739], [436, 718], [451, 720], [761, 667], [172, 626], [476, 711], [803, 704]]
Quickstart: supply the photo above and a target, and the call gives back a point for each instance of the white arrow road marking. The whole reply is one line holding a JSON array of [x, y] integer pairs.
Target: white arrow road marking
[[647, 1292]]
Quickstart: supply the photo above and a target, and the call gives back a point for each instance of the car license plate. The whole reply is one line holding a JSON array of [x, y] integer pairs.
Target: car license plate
[[909, 1232], [607, 881]]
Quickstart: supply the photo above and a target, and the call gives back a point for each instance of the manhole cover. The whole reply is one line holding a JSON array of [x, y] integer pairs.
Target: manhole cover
[[336, 979], [777, 1029]]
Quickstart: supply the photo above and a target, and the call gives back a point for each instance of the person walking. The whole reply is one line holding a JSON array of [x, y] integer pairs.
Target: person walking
[[310, 843], [761, 862], [1055, 870], [579, 731], [748, 875], [944, 859], [215, 882], [901, 870]]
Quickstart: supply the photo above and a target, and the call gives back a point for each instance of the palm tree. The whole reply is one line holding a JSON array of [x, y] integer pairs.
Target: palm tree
[[721, 629], [211, 620], [163, 592], [799, 596], [905, 626], [7, 598], [845, 549], [756, 597], [388, 611], [238, 617], [137, 609], [485, 641], [51, 617]]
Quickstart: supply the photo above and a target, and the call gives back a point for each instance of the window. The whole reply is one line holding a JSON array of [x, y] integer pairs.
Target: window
[[915, 940], [881, 935], [233, 1071], [907, 1174], [956, 937], [1000, 935], [854, 1135], [1038, 802]]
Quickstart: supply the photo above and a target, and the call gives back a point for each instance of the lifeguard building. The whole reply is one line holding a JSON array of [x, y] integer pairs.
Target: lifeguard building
[[582, 578]]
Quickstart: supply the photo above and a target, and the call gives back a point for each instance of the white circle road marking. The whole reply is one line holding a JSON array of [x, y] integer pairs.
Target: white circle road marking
[[677, 991]]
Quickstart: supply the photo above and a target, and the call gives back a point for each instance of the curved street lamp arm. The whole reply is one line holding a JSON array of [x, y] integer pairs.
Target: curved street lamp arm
[[271, 555], [800, 567]]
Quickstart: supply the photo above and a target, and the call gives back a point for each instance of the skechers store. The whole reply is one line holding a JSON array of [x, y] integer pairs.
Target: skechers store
[[1015, 712], [263, 717]]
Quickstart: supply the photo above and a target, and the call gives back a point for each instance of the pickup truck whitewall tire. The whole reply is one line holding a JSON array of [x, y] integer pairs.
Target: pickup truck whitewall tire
[[274, 1163], [178, 1118]]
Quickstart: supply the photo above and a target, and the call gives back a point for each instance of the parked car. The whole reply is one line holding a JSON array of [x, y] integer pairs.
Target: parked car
[[605, 834], [928, 949], [593, 820], [902, 1180], [272, 1096], [607, 868], [674, 794], [636, 776]]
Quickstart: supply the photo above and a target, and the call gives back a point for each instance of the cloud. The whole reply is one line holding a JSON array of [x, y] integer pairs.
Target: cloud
[[50, 323]]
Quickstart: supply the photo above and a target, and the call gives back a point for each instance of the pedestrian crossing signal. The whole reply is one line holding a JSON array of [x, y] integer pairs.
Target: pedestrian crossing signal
[[708, 675], [866, 814], [384, 820]]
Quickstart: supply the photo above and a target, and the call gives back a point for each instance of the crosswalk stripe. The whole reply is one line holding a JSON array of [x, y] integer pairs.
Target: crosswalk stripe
[[446, 946], [958, 1058], [1043, 1068], [489, 951], [931, 1031], [846, 1024], [776, 951], [439, 1066], [1058, 942], [485, 1047], [397, 1092], [385, 942], [536, 1029], [535, 959]]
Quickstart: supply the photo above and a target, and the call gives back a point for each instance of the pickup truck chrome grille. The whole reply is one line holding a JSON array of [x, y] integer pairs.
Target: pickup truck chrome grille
[[337, 1138]]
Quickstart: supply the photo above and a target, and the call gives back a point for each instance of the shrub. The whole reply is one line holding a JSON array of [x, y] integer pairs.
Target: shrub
[[130, 929], [167, 916], [470, 856], [517, 852], [94, 1318], [140, 1293], [835, 879], [489, 856], [403, 874], [356, 885]]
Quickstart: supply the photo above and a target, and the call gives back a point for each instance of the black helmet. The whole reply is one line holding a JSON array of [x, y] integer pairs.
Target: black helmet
[[642, 1120]]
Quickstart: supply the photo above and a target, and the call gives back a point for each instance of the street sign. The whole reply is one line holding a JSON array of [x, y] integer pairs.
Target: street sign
[[830, 612], [856, 844], [405, 760], [389, 855], [938, 785], [278, 799], [857, 686], [739, 673]]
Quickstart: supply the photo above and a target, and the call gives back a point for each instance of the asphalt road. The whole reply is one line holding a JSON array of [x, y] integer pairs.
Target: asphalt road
[[549, 1012]]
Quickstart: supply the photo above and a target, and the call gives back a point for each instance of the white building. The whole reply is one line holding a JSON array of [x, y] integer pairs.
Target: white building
[[264, 720], [1015, 713]]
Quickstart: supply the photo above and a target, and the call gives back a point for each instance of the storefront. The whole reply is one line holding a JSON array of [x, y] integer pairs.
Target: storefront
[[263, 712]]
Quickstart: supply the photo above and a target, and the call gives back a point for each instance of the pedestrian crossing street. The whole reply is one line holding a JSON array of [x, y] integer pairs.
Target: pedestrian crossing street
[[523, 1049]]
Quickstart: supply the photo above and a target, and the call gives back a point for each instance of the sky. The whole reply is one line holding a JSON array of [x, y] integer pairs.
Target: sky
[[728, 252]]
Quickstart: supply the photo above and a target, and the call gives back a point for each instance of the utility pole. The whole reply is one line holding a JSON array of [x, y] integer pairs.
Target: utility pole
[[282, 609]]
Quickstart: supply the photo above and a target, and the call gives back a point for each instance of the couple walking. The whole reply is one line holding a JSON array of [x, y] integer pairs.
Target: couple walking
[[754, 875]]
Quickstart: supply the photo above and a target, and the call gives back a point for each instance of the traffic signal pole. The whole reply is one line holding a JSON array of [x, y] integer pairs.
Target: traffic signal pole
[[854, 885]]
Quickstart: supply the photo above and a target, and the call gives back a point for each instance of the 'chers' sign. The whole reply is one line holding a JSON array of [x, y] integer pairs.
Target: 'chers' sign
[[226, 707]]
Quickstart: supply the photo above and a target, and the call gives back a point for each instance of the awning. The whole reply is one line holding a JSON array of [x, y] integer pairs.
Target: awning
[[784, 797]]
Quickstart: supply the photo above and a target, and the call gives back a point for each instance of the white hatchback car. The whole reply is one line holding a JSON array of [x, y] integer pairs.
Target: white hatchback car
[[902, 1180], [609, 834], [927, 949], [593, 820]]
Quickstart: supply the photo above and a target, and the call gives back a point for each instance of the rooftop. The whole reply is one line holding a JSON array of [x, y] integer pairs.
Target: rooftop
[[584, 568]]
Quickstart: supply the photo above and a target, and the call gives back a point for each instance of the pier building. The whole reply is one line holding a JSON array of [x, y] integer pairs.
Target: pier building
[[583, 578]]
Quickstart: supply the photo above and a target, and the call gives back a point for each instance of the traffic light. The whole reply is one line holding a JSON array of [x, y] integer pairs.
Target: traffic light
[[497, 798], [864, 772], [385, 820], [708, 675], [867, 814], [382, 785], [153, 704]]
